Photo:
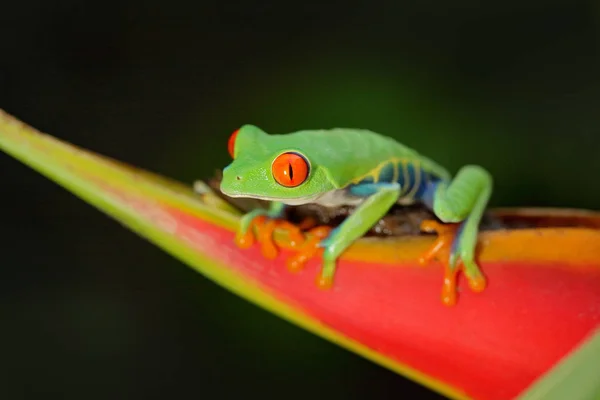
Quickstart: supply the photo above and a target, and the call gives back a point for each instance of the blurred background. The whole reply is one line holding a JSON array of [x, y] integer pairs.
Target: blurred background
[[89, 310]]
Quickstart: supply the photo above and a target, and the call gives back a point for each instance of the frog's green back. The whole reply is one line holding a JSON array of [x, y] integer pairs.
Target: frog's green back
[[349, 155]]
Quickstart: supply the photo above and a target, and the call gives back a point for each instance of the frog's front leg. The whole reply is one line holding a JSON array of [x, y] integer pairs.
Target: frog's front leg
[[463, 201], [262, 223], [379, 198]]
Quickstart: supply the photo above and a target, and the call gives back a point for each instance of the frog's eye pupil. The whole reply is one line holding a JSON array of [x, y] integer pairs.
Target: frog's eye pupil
[[231, 143], [290, 169]]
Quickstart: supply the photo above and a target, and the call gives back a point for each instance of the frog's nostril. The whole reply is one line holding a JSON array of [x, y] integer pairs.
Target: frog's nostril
[[238, 178]]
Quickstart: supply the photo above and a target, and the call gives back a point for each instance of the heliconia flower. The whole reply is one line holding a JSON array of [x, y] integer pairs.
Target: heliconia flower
[[517, 337]]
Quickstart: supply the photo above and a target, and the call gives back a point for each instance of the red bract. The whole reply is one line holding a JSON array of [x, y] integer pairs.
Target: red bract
[[542, 298]]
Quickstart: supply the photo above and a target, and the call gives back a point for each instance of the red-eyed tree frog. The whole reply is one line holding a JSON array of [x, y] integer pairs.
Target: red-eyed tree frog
[[359, 168]]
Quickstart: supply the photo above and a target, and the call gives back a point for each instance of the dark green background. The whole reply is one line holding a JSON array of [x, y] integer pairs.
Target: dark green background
[[90, 311]]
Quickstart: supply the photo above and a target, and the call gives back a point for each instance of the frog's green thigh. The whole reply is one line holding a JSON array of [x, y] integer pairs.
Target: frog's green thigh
[[275, 211], [380, 197], [464, 199]]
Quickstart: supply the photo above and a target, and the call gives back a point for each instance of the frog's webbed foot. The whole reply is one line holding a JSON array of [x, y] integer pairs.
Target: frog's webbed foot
[[447, 248], [260, 225], [309, 249]]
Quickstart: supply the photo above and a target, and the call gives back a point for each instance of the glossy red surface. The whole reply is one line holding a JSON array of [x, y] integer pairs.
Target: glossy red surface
[[491, 345]]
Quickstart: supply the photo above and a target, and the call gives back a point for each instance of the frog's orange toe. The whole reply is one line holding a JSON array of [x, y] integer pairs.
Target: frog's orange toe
[[441, 250], [478, 284], [449, 293], [443, 244], [308, 249], [264, 236], [298, 261], [324, 282], [244, 240]]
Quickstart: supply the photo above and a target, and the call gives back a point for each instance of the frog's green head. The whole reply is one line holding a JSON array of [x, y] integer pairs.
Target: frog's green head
[[273, 167]]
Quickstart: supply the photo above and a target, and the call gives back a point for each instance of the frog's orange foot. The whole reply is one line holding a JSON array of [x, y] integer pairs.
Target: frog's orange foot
[[309, 249], [262, 229], [442, 247], [324, 282], [442, 250]]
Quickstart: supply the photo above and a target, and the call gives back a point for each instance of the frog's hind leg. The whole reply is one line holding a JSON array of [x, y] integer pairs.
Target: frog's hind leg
[[462, 200]]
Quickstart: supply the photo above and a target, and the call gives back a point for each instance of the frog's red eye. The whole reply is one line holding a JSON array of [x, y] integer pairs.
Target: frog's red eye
[[290, 169], [231, 143]]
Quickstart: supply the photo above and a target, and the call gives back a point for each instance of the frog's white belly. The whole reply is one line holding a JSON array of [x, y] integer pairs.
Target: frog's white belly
[[337, 198], [333, 198]]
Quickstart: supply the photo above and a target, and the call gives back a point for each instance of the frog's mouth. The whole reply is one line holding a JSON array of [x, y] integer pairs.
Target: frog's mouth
[[294, 201]]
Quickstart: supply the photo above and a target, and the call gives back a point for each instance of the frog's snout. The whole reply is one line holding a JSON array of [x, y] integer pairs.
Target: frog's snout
[[230, 182], [229, 176]]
